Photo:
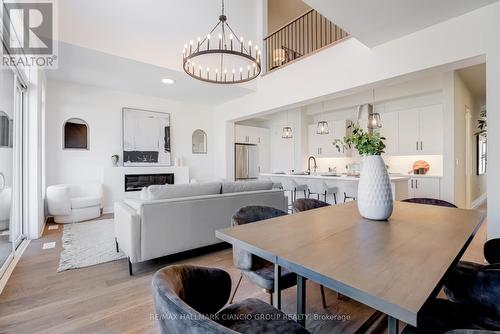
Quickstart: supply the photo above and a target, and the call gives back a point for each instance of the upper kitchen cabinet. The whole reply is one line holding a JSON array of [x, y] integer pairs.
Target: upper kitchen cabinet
[[389, 130], [408, 133], [421, 130], [319, 145], [431, 129], [249, 134], [323, 145]]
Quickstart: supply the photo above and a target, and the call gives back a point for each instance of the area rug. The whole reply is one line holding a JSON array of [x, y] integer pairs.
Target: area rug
[[87, 244]]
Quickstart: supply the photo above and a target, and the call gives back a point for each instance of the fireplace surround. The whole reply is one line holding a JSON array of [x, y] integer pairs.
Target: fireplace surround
[[135, 182]]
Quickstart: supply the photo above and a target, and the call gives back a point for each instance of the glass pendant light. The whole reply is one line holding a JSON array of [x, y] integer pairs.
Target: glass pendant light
[[374, 121], [287, 131], [322, 127]]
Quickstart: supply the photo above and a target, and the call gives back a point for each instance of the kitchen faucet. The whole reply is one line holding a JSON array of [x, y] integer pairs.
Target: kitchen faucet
[[309, 165]]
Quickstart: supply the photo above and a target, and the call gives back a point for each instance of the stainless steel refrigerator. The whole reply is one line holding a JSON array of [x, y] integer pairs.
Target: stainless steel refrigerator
[[246, 161]]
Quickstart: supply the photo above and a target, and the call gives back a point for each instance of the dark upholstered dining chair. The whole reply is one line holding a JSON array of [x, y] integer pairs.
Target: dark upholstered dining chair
[[189, 300], [430, 201], [257, 270], [478, 309], [305, 204], [459, 282]]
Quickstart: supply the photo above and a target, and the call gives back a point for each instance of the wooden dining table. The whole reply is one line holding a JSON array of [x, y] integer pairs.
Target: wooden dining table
[[392, 266]]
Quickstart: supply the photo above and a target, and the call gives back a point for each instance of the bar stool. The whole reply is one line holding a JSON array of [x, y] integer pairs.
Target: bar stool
[[348, 197], [325, 191], [292, 186]]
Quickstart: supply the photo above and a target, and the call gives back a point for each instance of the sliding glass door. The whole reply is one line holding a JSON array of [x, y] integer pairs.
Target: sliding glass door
[[12, 107]]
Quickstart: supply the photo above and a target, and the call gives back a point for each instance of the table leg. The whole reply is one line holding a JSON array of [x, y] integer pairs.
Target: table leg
[[393, 325], [301, 300], [277, 291]]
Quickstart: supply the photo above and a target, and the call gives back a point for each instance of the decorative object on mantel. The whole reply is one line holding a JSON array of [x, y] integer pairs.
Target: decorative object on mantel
[[375, 199], [114, 160], [222, 50], [146, 138], [420, 167]]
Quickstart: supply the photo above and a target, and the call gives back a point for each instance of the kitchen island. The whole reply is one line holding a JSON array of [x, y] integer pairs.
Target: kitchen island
[[316, 183]]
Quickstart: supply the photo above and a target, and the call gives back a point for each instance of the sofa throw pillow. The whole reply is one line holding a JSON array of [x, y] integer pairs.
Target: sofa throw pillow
[[243, 186], [157, 192]]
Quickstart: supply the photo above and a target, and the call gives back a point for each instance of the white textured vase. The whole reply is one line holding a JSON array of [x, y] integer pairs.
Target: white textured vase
[[374, 189]]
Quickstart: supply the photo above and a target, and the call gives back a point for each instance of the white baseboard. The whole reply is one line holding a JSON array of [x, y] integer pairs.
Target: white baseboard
[[19, 252], [479, 201]]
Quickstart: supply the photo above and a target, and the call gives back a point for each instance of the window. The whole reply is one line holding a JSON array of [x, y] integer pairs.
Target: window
[[76, 133]]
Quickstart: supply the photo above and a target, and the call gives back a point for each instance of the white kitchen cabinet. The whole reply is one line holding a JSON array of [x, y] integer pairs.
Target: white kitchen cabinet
[[318, 144], [424, 187], [246, 134], [323, 145], [258, 136], [431, 130], [264, 144], [282, 150], [389, 130], [408, 131], [421, 130]]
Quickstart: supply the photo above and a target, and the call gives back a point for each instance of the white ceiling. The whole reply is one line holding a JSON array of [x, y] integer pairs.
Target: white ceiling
[[374, 22], [90, 67], [130, 45], [149, 31]]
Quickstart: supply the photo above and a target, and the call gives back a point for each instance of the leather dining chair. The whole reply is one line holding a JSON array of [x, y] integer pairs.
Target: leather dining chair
[[190, 300]]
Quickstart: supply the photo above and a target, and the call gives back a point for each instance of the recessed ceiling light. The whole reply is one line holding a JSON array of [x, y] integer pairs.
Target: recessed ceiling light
[[167, 81]]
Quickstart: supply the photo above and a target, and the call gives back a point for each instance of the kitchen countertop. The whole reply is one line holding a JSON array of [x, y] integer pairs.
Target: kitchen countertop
[[324, 176]]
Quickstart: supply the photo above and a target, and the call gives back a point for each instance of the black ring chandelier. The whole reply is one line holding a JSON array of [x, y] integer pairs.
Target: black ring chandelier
[[225, 60]]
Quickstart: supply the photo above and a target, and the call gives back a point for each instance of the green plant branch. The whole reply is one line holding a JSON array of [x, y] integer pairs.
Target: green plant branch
[[365, 143]]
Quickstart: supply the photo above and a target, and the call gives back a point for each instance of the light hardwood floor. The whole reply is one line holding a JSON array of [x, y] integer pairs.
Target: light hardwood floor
[[105, 299]]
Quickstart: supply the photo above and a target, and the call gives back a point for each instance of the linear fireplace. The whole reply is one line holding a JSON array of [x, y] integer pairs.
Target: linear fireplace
[[135, 182]]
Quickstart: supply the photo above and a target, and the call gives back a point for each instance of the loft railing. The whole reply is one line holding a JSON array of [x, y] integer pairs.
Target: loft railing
[[306, 34]]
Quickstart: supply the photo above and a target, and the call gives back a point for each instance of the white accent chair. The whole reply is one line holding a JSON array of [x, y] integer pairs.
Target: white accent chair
[[70, 203]]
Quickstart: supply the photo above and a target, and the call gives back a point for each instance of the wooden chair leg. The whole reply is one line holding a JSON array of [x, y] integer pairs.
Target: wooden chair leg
[[323, 299], [335, 198], [116, 244], [236, 289], [271, 298]]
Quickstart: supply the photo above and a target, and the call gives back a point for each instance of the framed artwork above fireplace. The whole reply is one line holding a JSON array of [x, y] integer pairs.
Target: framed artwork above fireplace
[[146, 138]]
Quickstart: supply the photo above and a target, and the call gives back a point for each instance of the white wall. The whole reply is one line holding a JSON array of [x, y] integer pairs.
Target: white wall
[[351, 66], [34, 155], [462, 99], [102, 110]]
